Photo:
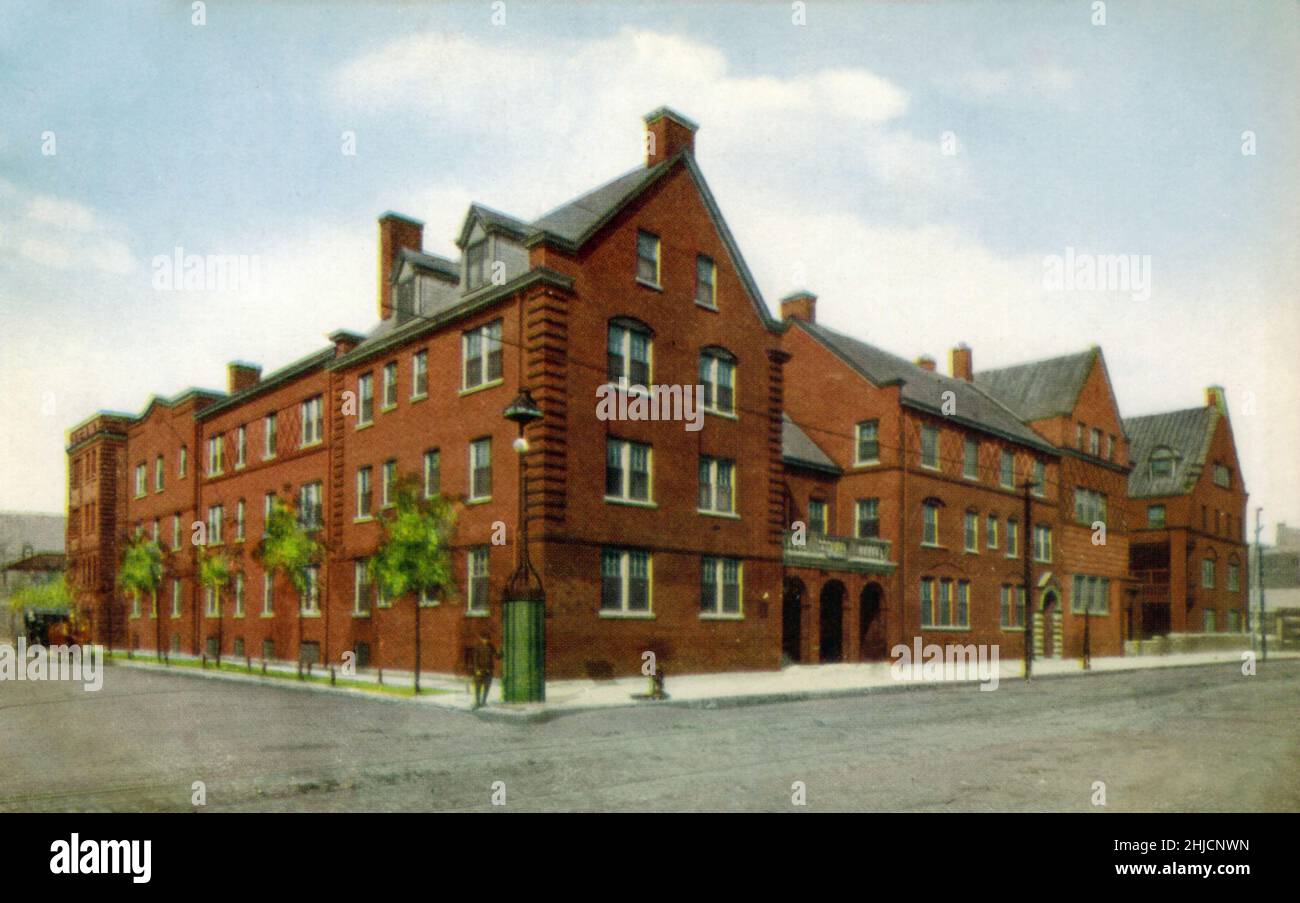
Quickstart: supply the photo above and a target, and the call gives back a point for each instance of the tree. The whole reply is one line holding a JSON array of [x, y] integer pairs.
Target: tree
[[214, 575], [50, 595], [288, 549], [142, 572], [414, 555]]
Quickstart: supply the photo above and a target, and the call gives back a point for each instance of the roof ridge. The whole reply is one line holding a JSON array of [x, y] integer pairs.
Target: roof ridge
[[1092, 349]]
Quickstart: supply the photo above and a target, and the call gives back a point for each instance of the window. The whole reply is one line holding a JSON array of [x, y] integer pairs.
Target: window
[[1042, 542], [1211, 625], [1090, 595], [140, 480], [365, 399], [1089, 506], [991, 531], [706, 290], [216, 455], [1222, 476], [927, 602], [1040, 479], [210, 602], [1207, 573], [390, 483], [183, 463], [310, 598], [432, 473], [239, 520], [481, 355], [268, 505], [154, 531], [361, 589], [717, 492], [158, 474], [1078, 435], [1007, 470], [176, 598], [390, 385], [241, 446], [215, 517], [718, 376], [647, 258], [972, 532], [963, 604], [868, 519], [268, 436], [478, 579], [624, 581], [948, 607], [176, 532], [1234, 577], [929, 524], [627, 471], [1110, 447], [419, 374], [476, 265], [1162, 463], [1155, 516], [1234, 621], [268, 649], [313, 425], [268, 595], [1013, 538], [868, 442], [720, 586], [480, 469], [364, 494], [1094, 442], [930, 447], [628, 354], [1012, 606], [239, 595], [816, 516], [970, 466], [309, 505]]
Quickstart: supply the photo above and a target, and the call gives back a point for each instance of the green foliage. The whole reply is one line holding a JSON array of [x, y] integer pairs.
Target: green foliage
[[52, 595], [288, 547], [214, 570], [142, 566], [414, 554]]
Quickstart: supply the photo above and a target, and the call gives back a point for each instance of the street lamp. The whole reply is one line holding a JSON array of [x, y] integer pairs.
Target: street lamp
[[523, 616]]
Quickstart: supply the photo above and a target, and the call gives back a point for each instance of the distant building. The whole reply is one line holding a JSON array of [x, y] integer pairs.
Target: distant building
[[31, 550]]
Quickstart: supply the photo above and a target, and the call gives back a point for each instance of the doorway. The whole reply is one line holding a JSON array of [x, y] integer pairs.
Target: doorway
[[792, 618], [831, 639], [1048, 620], [871, 624]]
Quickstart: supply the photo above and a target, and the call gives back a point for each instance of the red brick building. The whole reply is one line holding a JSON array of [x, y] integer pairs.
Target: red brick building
[[822, 500]]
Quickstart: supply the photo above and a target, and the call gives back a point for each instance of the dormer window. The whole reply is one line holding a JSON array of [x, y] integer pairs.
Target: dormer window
[[1222, 476], [1162, 463], [476, 265]]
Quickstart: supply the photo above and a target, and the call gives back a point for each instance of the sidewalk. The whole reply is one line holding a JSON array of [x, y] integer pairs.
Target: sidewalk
[[793, 683]]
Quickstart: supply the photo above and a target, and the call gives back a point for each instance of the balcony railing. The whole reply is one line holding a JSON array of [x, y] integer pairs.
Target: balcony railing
[[840, 552]]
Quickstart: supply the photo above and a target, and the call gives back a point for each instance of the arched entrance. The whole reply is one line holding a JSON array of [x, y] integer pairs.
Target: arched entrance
[[792, 617], [871, 623], [1048, 621], [831, 638]]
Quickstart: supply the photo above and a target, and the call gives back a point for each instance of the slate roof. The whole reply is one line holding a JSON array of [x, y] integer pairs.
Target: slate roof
[[423, 259], [1040, 389], [797, 448], [923, 389], [1187, 433], [574, 222]]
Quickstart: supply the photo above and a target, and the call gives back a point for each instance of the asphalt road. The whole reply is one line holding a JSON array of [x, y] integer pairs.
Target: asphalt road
[[1185, 739]]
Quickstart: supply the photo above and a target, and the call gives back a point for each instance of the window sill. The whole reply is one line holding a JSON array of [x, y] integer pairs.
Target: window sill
[[481, 387], [434, 604], [420, 397], [477, 614], [270, 457], [238, 616], [725, 515], [267, 614], [363, 519], [875, 463], [361, 614], [932, 467], [932, 545], [309, 614], [971, 551], [972, 479], [1019, 629], [364, 424], [713, 308], [388, 408], [725, 415], [646, 283], [482, 501], [312, 444], [628, 615], [631, 503], [949, 628], [709, 616]]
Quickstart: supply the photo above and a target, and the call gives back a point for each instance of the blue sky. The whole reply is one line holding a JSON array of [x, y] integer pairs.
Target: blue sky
[[822, 143]]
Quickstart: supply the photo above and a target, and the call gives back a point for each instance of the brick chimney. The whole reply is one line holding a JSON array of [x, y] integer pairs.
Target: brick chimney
[[667, 132], [1216, 398], [240, 376], [344, 341], [925, 362], [799, 306], [395, 232], [963, 366]]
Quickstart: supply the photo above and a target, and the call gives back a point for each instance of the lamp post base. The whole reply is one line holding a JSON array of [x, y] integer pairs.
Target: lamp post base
[[523, 666]]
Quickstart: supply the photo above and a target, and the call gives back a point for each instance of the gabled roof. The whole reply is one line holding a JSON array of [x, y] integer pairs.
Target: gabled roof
[[40, 561], [179, 398], [1185, 433], [923, 389], [492, 219], [798, 449], [439, 266], [1040, 389]]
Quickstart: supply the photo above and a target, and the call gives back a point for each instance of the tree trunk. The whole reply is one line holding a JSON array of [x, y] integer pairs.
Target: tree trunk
[[157, 625]]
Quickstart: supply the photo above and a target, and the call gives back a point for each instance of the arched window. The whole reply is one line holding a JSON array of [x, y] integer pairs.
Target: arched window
[[629, 352], [718, 376], [1162, 462]]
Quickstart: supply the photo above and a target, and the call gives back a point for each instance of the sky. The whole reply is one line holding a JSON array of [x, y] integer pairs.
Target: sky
[[914, 165]]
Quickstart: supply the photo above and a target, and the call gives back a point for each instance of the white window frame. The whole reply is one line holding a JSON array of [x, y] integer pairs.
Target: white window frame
[[239, 595], [624, 449], [712, 302], [713, 573], [309, 601], [929, 518], [432, 457], [365, 492], [971, 532], [216, 517], [269, 438], [478, 567], [488, 340], [625, 332], [934, 432], [419, 374], [389, 490], [365, 399], [241, 447], [216, 455], [362, 589], [658, 259], [715, 468], [712, 365], [485, 443], [388, 386], [625, 558]]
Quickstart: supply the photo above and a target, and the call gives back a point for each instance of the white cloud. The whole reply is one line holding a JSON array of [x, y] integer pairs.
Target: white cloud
[[1043, 83], [61, 233]]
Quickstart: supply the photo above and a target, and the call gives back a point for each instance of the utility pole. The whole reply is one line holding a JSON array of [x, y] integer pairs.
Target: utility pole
[[1259, 582], [1026, 540]]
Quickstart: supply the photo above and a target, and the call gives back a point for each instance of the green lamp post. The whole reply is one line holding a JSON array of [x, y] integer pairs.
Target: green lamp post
[[523, 616]]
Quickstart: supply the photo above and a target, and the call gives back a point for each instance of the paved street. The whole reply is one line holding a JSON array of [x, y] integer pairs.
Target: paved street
[[1164, 740]]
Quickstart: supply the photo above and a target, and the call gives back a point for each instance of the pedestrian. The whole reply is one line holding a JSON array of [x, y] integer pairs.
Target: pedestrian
[[484, 663]]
